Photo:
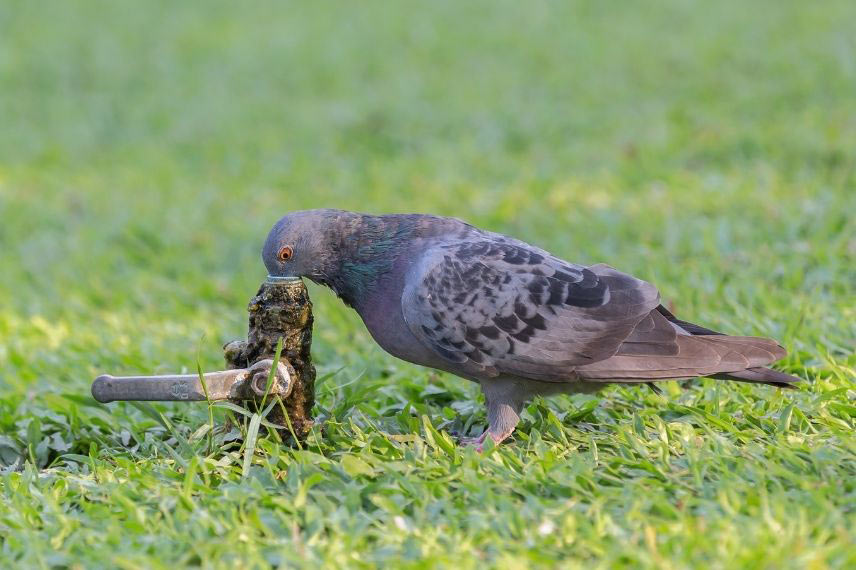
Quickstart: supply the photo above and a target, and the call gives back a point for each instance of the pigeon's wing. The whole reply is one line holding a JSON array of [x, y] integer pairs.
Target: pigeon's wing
[[495, 306]]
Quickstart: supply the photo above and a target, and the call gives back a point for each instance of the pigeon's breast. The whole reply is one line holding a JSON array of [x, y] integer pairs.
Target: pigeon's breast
[[385, 322], [383, 316]]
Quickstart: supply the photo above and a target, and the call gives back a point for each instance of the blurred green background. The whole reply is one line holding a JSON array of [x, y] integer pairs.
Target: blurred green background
[[147, 147]]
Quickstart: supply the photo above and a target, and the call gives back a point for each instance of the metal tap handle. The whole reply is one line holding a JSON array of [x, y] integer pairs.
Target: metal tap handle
[[241, 384]]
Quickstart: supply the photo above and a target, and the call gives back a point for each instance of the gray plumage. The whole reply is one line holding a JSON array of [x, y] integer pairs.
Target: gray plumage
[[510, 316]]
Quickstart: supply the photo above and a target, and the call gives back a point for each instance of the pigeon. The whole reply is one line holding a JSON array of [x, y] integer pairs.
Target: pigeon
[[519, 321]]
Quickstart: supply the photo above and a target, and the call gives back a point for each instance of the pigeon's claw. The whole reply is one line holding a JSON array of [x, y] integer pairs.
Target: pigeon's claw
[[476, 442]]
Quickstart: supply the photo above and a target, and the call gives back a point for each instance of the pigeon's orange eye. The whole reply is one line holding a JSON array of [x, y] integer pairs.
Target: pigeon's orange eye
[[285, 253]]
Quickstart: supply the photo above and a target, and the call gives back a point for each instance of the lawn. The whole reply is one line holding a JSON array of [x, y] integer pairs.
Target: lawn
[[147, 147]]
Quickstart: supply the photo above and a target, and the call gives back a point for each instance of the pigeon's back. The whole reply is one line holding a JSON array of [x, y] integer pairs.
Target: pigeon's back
[[497, 307]]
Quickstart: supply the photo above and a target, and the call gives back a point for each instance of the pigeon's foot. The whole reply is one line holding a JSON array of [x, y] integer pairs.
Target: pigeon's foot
[[478, 442], [504, 400]]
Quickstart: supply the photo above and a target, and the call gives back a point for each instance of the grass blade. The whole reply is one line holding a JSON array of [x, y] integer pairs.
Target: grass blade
[[208, 402], [250, 444], [272, 372]]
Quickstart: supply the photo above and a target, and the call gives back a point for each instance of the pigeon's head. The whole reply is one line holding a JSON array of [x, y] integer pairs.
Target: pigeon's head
[[298, 244]]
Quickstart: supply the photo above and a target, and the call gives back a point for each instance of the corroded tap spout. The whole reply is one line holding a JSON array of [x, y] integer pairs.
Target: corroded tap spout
[[280, 311]]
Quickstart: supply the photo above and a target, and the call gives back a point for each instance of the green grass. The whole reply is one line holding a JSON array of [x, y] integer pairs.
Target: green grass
[[147, 147]]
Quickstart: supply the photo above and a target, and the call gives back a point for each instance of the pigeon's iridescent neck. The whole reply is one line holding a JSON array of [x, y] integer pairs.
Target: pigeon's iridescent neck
[[367, 246], [365, 252]]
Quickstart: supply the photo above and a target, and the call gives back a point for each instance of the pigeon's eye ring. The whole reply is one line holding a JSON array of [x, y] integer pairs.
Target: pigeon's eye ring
[[285, 253]]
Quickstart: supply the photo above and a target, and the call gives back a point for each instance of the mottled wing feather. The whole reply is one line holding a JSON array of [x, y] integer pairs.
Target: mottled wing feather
[[497, 306], [658, 349]]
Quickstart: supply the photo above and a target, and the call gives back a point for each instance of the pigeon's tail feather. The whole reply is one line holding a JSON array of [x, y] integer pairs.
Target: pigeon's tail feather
[[760, 375], [661, 349], [688, 327]]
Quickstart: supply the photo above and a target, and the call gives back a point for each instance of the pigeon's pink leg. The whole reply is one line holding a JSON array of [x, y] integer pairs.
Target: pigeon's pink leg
[[503, 409]]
